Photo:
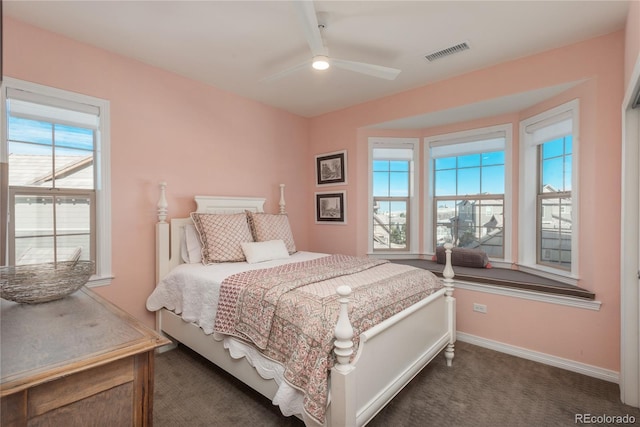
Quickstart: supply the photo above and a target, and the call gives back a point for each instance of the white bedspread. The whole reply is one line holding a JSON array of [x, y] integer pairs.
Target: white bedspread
[[192, 290]]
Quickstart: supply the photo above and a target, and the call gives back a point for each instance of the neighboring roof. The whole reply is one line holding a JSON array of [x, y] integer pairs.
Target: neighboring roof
[[35, 170]]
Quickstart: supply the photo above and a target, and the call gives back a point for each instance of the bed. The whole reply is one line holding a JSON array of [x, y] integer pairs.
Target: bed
[[361, 371]]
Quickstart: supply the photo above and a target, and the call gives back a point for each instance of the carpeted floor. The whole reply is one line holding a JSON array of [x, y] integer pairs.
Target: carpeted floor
[[482, 388]]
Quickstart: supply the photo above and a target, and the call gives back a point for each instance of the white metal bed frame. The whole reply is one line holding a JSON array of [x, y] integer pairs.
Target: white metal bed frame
[[360, 389]]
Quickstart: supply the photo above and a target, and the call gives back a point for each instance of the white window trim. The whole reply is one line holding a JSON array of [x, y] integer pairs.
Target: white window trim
[[528, 191], [103, 185], [464, 137], [378, 142]]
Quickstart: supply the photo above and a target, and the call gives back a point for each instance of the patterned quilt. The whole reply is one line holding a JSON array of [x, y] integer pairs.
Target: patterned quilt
[[290, 312]]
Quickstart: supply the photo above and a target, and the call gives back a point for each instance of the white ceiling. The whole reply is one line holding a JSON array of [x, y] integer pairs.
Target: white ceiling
[[233, 45]]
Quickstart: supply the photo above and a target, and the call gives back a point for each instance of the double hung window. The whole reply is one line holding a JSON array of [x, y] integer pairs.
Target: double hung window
[[548, 238], [56, 149], [467, 193], [393, 209]]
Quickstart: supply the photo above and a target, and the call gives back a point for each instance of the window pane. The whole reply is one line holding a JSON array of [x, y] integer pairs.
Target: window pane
[[25, 130], [74, 168], [553, 148], [567, 172], [445, 214], [555, 232], [468, 181], [45, 222], [74, 137], [399, 184], [445, 183], [380, 184], [492, 180], [34, 250], [493, 158], [390, 224], [399, 166], [380, 165], [471, 223], [28, 163], [73, 227], [491, 227], [33, 221], [445, 163], [469, 160], [553, 175]]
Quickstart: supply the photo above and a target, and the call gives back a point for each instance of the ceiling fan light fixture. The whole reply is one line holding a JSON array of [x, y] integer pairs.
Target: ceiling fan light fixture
[[320, 62]]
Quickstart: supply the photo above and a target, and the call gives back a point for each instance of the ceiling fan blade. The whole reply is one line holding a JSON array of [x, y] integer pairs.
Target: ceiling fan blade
[[309, 21], [286, 72], [369, 69]]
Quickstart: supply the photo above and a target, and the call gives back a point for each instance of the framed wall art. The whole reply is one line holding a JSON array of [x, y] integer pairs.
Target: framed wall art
[[331, 207], [331, 168]]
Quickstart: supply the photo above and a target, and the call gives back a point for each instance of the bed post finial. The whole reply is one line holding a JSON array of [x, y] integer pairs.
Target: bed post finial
[[344, 332], [282, 203], [162, 203]]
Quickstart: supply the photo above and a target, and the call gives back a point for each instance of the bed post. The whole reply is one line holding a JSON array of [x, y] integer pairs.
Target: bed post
[[282, 203], [162, 240], [343, 392], [451, 303]]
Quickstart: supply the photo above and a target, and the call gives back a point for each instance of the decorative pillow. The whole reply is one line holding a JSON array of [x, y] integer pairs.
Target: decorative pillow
[[267, 227], [221, 235], [463, 257], [193, 244], [264, 251]]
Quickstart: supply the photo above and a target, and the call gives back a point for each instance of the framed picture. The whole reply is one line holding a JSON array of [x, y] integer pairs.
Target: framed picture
[[331, 207], [331, 168]]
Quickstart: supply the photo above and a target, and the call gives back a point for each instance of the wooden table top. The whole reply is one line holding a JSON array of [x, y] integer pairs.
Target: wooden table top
[[41, 342]]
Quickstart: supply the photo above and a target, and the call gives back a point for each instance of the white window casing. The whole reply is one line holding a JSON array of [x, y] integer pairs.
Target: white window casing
[[488, 139], [400, 149], [39, 102], [557, 122]]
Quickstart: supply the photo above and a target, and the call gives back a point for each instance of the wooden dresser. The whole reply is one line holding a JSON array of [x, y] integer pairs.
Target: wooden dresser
[[78, 361]]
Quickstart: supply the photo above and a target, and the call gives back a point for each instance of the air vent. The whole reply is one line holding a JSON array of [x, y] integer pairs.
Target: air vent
[[460, 47]]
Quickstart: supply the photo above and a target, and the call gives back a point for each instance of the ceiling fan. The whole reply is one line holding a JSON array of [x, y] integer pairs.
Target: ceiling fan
[[320, 54]]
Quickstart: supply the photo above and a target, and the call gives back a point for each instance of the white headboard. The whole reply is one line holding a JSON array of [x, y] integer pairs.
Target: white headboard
[[169, 235]]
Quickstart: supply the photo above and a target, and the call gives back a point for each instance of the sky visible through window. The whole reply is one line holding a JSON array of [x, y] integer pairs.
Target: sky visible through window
[[38, 135], [480, 173]]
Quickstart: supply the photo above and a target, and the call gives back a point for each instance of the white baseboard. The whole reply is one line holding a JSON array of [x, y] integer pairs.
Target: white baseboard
[[547, 359]]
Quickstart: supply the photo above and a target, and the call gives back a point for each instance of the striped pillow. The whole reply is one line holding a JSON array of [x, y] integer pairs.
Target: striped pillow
[[221, 235]]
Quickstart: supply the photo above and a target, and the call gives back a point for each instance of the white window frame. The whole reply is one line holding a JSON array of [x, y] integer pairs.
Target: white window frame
[[414, 190], [464, 137], [529, 175], [103, 273]]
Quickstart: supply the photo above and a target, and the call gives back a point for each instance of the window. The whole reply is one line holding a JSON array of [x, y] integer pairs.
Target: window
[[56, 147], [548, 241], [467, 192], [392, 222]]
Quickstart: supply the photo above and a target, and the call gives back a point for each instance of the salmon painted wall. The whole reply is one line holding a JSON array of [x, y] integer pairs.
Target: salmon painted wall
[[584, 336], [200, 139]]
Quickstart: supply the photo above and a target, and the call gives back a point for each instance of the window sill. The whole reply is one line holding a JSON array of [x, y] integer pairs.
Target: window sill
[[513, 283]]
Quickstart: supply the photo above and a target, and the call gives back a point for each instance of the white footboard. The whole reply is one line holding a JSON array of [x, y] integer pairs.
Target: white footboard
[[390, 354]]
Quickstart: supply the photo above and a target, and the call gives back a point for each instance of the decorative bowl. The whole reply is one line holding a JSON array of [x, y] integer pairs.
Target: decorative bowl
[[38, 283]]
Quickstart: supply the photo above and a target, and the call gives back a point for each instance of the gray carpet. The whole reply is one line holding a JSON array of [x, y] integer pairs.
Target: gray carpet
[[482, 388]]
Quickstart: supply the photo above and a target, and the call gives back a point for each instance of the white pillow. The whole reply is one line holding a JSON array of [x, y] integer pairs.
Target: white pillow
[[193, 244], [264, 251]]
